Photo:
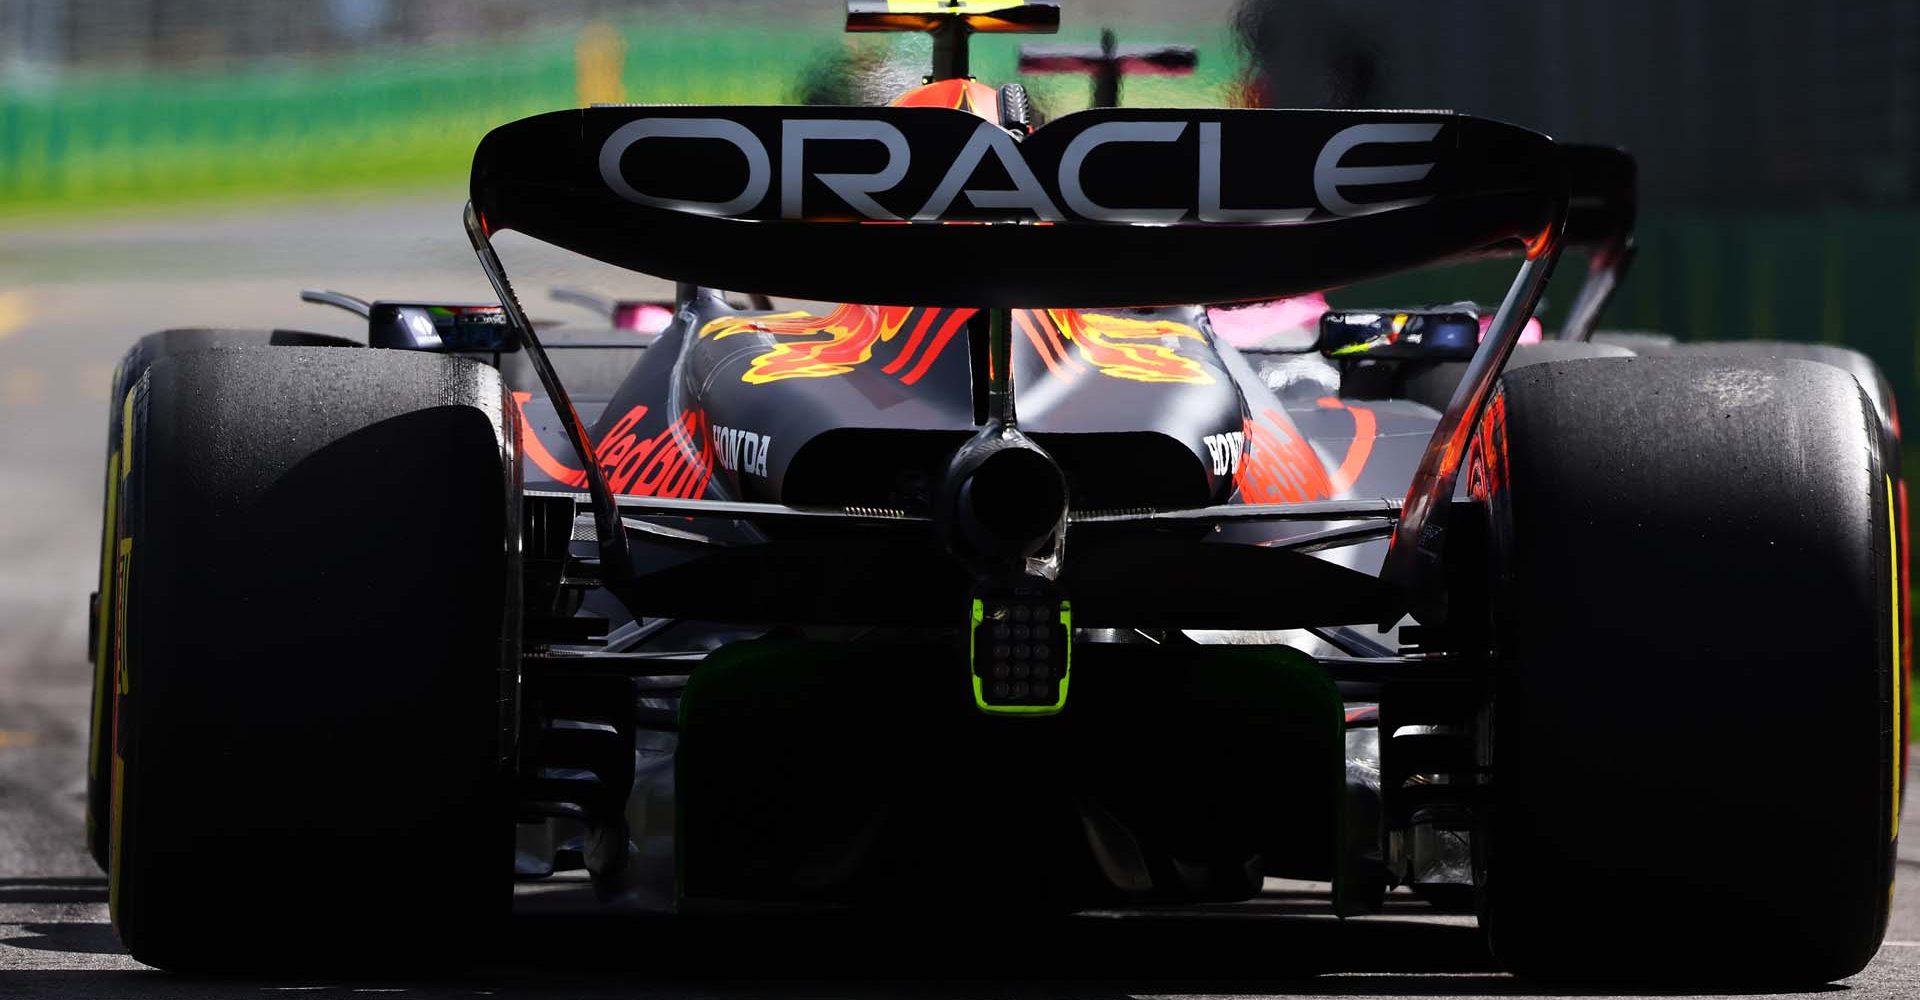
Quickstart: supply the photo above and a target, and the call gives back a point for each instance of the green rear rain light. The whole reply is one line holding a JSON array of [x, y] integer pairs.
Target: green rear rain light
[[1021, 652]]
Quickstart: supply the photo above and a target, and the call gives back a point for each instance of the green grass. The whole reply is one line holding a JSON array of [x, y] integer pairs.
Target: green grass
[[408, 118]]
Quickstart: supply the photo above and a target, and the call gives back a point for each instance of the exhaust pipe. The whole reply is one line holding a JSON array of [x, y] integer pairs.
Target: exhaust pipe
[[1003, 499]]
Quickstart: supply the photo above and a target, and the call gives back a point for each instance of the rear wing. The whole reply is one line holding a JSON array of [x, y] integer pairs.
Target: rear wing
[[1134, 206], [1110, 207]]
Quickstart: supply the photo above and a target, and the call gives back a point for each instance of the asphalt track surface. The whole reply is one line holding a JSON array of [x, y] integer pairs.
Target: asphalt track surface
[[73, 296]]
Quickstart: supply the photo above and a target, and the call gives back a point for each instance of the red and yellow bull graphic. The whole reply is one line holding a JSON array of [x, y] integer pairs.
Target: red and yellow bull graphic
[[834, 344], [1070, 342], [843, 340]]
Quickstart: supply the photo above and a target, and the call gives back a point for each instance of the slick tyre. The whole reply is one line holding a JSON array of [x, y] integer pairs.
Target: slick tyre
[[1854, 363], [165, 343], [311, 672], [1693, 736], [1644, 343], [1435, 385], [1880, 391]]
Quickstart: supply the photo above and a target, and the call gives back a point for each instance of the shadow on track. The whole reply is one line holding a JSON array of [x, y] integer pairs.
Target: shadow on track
[[68, 938], [1243, 950]]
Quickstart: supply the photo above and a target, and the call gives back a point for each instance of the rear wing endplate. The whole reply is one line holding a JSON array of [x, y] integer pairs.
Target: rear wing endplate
[[1602, 184]]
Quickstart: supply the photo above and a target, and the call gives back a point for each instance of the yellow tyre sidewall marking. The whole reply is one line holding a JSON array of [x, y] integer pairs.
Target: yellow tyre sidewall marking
[[1899, 695], [122, 673], [103, 629]]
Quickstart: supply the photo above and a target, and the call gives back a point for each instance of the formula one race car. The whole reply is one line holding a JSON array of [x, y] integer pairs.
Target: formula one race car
[[1003, 571]]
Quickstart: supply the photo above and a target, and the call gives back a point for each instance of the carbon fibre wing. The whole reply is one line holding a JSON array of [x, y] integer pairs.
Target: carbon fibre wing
[[1134, 206]]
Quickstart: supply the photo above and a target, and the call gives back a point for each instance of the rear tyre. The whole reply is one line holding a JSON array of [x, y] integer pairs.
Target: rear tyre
[[1854, 363], [1880, 391], [1435, 384], [166, 343], [1693, 751], [1644, 343], [312, 660]]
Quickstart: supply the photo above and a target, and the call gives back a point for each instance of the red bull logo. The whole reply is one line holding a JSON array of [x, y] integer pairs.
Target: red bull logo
[[657, 466]]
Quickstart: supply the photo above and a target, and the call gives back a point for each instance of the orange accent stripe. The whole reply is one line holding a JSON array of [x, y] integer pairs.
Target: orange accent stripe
[[1906, 614], [913, 342], [1365, 428], [1539, 243], [932, 353], [1300, 462], [536, 450], [1280, 467], [962, 95], [1022, 320], [1456, 449]]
